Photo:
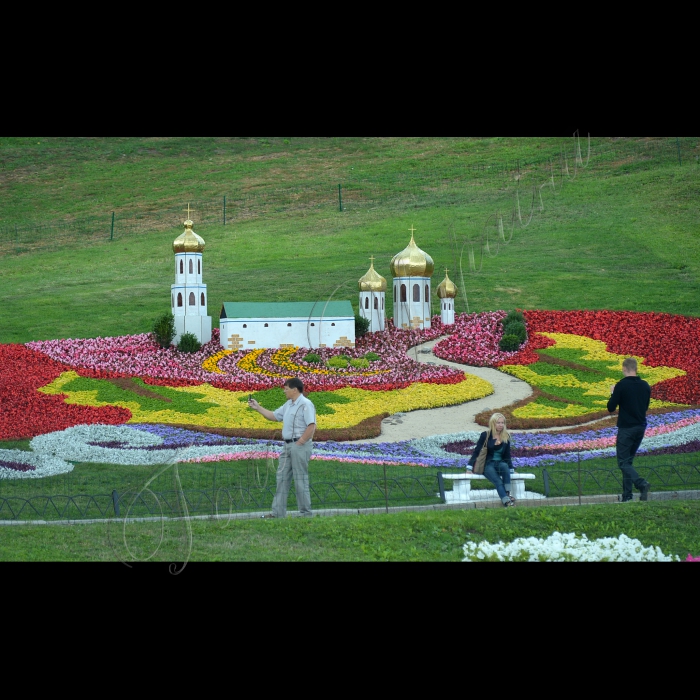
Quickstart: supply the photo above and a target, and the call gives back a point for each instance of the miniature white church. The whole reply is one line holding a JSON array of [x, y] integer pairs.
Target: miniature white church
[[372, 292], [188, 296], [447, 291], [412, 269]]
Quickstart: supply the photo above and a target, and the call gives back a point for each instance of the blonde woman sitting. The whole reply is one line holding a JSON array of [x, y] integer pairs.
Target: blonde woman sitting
[[498, 466]]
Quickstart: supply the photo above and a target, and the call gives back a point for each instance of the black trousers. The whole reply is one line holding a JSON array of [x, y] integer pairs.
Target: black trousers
[[626, 446]]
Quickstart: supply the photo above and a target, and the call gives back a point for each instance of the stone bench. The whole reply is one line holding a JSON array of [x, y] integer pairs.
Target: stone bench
[[462, 488]]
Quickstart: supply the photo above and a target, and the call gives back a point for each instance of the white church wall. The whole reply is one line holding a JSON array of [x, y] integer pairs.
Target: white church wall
[[412, 308]]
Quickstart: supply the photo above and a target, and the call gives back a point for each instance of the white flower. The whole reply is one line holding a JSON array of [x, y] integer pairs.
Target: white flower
[[43, 465], [567, 547]]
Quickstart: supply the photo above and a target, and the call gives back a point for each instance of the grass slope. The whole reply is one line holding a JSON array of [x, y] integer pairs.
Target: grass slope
[[619, 236]]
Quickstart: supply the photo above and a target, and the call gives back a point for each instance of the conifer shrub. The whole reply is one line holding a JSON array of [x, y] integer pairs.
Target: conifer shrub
[[164, 329], [188, 343]]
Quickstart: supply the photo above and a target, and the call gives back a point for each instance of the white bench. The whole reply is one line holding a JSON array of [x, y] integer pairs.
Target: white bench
[[462, 488]]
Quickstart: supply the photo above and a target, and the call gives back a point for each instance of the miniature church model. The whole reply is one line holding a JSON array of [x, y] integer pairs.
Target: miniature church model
[[188, 295], [372, 292], [447, 292], [412, 269]]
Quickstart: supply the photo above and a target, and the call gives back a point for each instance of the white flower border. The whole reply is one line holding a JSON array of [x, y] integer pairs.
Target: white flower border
[[566, 547], [44, 465]]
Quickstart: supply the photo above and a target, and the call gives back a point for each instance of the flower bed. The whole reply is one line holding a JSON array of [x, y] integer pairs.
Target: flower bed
[[565, 547]]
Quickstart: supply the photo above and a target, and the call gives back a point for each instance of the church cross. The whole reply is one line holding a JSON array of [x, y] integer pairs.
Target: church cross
[[411, 229]]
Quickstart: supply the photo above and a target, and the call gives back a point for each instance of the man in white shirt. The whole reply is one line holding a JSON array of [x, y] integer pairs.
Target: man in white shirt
[[298, 418]]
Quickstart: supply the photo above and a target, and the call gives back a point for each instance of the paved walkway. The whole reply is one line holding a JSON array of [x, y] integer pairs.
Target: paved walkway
[[451, 419]]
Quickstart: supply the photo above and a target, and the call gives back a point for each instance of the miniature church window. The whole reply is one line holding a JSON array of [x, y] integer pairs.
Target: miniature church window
[[382, 302], [192, 300], [427, 293], [191, 270], [366, 302], [245, 325], [179, 296], [313, 324], [202, 298], [182, 269], [416, 292], [403, 292], [376, 303], [199, 267], [289, 324], [266, 325], [394, 295], [332, 324]]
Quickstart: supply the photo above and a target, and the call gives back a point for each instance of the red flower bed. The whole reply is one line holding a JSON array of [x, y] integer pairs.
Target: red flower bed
[[25, 412], [661, 339]]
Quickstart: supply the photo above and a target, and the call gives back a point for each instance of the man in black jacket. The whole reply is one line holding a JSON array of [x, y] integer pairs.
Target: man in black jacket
[[632, 395]]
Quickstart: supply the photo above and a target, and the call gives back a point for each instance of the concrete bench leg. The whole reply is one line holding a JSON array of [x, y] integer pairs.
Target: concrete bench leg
[[517, 489], [461, 490]]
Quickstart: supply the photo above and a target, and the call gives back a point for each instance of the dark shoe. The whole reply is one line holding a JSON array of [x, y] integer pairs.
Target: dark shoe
[[269, 516], [624, 500], [644, 491]]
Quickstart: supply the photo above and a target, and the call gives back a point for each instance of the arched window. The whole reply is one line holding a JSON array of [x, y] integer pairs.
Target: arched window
[[182, 268], [332, 324], [416, 292], [403, 292], [366, 302], [376, 303], [192, 299], [245, 325], [313, 324], [203, 304], [427, 293], [199, 266], [394, 295], [382, 302], [266, 325], [191, 270], [179, 297], [289, 325]]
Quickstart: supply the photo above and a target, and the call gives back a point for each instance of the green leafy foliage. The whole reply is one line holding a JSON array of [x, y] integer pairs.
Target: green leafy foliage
[[339, 361], [516, 328], [511, 317], [164, 329], [361, 326], [312, 357], [371, 356], [509, 343], [359, 362], [189, 343]]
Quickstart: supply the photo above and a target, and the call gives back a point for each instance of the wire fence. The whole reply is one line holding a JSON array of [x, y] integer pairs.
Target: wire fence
[[415, 187], [246, 489]]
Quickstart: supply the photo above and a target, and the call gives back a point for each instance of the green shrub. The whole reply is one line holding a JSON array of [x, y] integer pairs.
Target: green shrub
[[188, 343], [513, 316], [516, 328], [312, 357], [509, 343], [359, 362], [338, 362], [164, 330], [361, 326], [371, 356]]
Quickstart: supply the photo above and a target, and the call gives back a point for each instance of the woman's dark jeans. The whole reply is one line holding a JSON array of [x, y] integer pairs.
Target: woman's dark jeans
[[498, 474]]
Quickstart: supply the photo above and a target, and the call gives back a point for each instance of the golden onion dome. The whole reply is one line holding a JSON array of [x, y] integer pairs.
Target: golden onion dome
[[189, 241], [372, 281], [446, 289], [412, 262]]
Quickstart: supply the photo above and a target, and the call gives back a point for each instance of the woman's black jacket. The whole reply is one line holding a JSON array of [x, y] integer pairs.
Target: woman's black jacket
[[505, 453]]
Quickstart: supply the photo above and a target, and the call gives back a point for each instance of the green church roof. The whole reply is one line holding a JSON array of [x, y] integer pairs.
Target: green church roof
[[286, 309]]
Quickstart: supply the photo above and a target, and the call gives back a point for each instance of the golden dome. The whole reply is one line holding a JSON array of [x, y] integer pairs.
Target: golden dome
[[189, 241], [412, 262], [372, 281], [446, 288]]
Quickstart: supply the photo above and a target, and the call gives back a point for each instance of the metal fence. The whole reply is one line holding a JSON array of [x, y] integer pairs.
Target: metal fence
[[414, 188], [246, 489]]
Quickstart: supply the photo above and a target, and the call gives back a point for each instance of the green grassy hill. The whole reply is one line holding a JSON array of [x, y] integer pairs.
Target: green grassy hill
[[622, 234]]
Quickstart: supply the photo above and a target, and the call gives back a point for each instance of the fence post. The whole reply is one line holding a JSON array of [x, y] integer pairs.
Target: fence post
[[115, 501], [224, 210], [678, 145], [340, 199], [441, 487], [111, 233], [386, 493]]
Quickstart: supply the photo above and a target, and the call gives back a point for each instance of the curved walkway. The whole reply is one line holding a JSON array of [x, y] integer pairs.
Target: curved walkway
[[451, 419]]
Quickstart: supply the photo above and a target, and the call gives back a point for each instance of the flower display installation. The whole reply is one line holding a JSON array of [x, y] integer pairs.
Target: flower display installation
[[19, 464], [211, 406], [565, 547], [25, 412], [577, 372]]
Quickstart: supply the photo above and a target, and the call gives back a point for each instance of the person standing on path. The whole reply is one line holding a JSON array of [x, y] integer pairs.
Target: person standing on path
[[298, 416], [632, 395]]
